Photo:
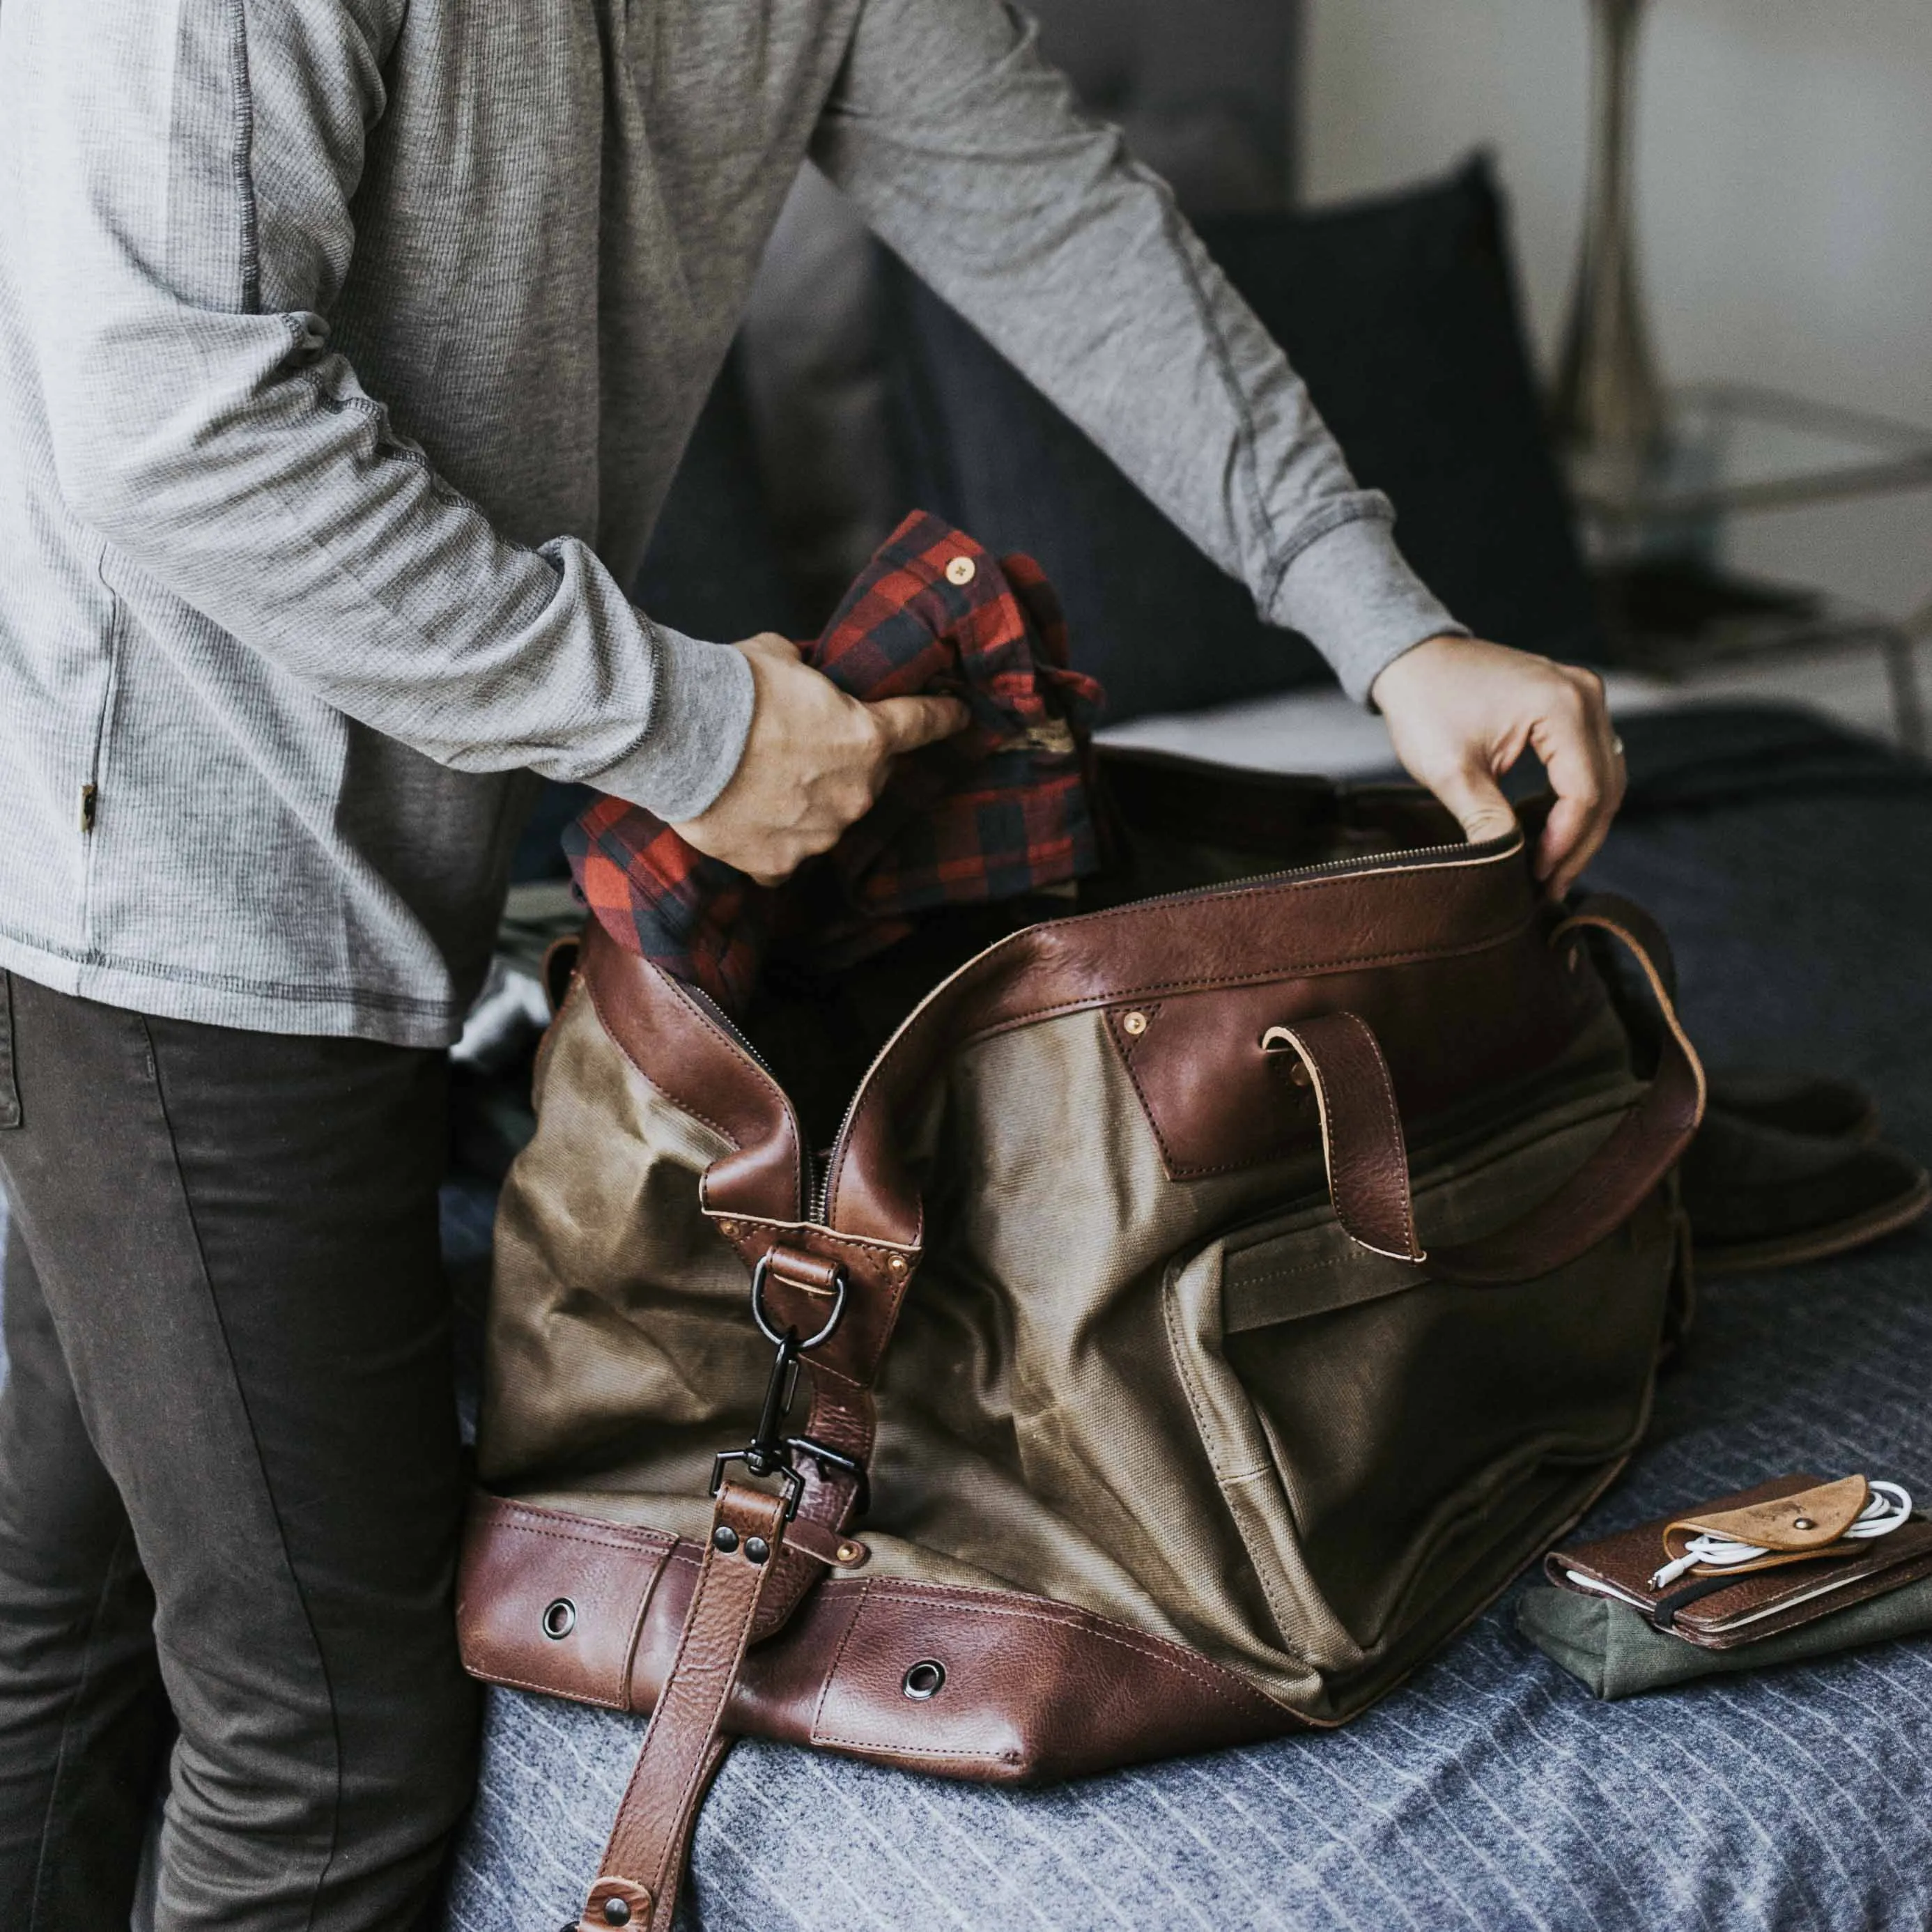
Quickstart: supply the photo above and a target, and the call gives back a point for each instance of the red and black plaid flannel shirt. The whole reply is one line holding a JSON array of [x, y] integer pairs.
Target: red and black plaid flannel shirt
[[999, 811]]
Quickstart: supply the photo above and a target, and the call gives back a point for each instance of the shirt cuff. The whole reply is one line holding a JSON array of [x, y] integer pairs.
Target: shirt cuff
[[702, 697], [1351, 594]]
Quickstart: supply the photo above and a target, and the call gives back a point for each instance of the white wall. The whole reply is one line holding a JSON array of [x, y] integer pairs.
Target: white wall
[[1785, 190]]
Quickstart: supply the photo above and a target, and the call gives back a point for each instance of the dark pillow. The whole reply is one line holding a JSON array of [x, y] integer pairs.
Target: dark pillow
[[1401, 315]]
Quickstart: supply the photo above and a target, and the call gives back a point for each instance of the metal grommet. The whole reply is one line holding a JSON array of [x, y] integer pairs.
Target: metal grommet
[[962, 570], [724, 1538], [756, 1549], [559, 1619], [924, 1680], [1135, 1023]]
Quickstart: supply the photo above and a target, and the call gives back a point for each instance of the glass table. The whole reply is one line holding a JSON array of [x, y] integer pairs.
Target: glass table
[[1652, 525]]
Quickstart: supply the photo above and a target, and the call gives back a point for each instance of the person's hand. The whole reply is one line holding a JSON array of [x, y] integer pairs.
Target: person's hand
[[814, 762], [1461, 712]]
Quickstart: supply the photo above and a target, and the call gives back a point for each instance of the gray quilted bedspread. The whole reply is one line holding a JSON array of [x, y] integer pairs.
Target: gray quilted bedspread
[[1490, 1792]]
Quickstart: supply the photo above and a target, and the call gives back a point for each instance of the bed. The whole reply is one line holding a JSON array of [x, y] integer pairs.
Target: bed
[[1793, 865]]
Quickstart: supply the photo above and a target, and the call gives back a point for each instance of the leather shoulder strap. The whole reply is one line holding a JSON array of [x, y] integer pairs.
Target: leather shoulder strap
[[644, 1862]]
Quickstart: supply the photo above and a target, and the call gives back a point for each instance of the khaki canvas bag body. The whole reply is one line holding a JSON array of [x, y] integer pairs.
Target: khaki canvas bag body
[[1208, 1302]]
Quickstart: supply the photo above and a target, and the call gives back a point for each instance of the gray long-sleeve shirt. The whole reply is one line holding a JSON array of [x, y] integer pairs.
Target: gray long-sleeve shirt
[[347, 348]]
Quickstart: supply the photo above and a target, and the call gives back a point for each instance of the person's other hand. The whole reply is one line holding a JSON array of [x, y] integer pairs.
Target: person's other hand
[[1461, 712], [814, 762]]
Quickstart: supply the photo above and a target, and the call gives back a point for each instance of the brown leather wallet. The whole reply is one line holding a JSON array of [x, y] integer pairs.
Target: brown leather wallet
[[1721, 1612]]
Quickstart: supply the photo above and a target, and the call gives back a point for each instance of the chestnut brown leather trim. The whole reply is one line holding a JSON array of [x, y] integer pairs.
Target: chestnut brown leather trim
[[1627, 1168], [519, 1565], [1034, 1689], [649, 1844], [1409, 911], [1361, 1130], [690, 1057]]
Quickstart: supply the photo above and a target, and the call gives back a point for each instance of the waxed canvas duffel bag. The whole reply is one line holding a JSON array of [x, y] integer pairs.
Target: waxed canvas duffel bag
[[1210, 1297]]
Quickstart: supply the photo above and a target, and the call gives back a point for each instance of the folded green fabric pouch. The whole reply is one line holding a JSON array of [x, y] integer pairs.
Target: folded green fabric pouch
[[1614, 1652]]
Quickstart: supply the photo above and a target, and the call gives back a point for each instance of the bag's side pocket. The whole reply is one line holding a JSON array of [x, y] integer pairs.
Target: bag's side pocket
[[10, 1083]]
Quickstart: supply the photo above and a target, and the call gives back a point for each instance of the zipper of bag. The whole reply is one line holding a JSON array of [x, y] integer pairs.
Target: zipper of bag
[[1411, 857]]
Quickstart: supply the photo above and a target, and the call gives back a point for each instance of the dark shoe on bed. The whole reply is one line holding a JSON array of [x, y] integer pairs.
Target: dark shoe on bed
[[1759, 1197], [1796, 1103]]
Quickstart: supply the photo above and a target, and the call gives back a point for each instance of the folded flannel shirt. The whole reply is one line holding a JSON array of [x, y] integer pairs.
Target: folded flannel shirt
[[999, 811]]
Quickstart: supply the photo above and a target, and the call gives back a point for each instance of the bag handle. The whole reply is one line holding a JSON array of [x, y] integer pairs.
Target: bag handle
[[1362, 1140]]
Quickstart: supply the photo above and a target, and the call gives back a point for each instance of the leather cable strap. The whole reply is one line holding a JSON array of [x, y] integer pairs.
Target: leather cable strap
[[1368, 1163], [643, 1864]]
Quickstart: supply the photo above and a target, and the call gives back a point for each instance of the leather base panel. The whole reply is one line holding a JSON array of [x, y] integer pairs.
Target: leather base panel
[[1027, 1689]]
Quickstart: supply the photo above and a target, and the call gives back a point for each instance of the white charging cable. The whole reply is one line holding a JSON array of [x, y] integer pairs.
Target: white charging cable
[[1885, 1509]]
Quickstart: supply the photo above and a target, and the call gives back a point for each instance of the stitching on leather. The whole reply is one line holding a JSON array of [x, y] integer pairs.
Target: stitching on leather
[[789, 1121], [720, 1698], [877, 1744], [1290, 969], [658, 1538], [551, 1690], [813, 1227], [825, 1688], [1148, 1109], [677, 1100], [1155, 1649], [1286, 888], [971, 974]]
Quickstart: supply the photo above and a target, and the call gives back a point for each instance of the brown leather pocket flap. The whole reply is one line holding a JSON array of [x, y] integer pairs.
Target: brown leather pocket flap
[[553, 1602], [990, 1687]]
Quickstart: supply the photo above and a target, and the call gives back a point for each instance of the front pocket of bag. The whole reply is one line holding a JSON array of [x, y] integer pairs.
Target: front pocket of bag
[[1385, 1441]]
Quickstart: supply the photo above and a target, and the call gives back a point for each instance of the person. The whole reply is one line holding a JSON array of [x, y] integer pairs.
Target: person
[[347, 348]]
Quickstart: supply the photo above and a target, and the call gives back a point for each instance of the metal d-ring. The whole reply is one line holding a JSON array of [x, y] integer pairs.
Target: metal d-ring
[[789, 1336]]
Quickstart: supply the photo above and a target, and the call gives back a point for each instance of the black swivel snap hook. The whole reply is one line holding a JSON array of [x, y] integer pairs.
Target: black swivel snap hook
[[769, 1452]]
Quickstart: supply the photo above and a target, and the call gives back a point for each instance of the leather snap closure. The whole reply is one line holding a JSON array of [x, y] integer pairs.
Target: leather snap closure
[[962, 570], [756, 1549], [559, 1619], [924, 1681], [724, 1538]]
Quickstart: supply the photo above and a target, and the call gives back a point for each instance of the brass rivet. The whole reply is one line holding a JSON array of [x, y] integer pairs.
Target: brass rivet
[[1804, 1522], [1299, 1074], [848, 1553], [896, 1263], [730, 1230], [1135, 1023], [962, 570]]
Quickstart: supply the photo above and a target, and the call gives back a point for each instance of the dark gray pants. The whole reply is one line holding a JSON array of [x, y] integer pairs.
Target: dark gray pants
[[230, 1477]]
